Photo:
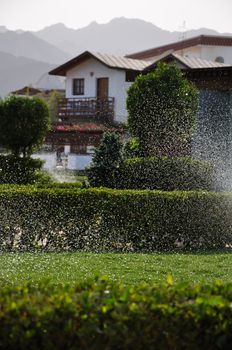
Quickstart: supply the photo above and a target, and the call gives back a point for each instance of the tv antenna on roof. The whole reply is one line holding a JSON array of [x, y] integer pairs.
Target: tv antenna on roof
[[182, 35], [183, 31]]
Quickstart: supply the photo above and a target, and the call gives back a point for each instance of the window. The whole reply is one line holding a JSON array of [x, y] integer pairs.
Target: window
[[78, 86], [131, 75], [219, 59]]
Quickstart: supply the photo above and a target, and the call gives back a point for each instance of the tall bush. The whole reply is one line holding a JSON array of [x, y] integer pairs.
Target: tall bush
[[17, 170], [162, 106], [106, 160], [24, 123]]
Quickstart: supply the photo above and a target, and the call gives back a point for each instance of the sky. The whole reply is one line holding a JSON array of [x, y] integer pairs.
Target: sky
[[166, 14]]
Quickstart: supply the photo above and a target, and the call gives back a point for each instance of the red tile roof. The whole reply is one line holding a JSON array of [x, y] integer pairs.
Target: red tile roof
[[82, 127]]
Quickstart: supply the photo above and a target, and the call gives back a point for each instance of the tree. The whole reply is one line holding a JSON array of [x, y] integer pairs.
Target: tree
[[106, 160], [162, 107], [53, 104], [24, 123]]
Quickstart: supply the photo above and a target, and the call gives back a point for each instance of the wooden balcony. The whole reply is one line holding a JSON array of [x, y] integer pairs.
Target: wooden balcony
[[86, 109]]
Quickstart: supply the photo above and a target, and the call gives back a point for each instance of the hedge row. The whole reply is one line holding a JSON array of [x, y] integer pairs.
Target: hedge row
[[113, 220], [177, 173], [104, 315], [67, 185]]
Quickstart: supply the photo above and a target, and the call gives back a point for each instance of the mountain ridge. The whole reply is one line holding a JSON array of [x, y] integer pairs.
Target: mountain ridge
[[17, 72], [119, 36], [28, 45], [55, 44]]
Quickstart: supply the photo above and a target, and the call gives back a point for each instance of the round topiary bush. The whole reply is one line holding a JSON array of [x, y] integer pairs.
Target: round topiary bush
[[16, 170]]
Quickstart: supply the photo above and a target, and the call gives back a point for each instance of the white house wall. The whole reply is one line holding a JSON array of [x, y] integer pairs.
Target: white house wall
[[78, 162], [212, 52], [208, 52], [48, 158], [194, 51], [91, 70], [71, 161]]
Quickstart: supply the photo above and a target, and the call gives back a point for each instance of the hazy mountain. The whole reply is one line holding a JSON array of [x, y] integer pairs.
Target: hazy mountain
[[3, 29], [17, 72], [28, 45], [38, 52], [120, 36]]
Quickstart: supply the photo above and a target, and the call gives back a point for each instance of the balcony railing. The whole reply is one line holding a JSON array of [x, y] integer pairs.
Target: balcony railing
[[86, 108]]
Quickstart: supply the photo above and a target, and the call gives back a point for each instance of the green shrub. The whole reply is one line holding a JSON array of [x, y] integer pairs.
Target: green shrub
[[132, 149], [24, 123], [180, 173], [162, 107], [106, 160], [104, 315], [113, 220], [67, 185], [16, 170]]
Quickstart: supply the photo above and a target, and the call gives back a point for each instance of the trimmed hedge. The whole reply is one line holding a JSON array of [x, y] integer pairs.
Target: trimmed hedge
[[15, 170], [67, 185], [113, 220], [103, 315], [179, 173]]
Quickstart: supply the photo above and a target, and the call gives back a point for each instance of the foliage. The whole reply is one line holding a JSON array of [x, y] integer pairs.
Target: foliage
[[162, 106], [67, 185], [104, 315], [42, 177], [113, 220], [53, 104], [24, 123], [178, 173], [132, 149], [16, 170], [106, 160]]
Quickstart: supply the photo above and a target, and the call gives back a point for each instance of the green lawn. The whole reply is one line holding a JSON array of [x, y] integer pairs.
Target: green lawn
[[125, 268]]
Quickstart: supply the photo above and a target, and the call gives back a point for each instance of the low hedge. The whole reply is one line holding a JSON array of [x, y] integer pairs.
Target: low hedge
[[179, 173], [103, 315], [15, 170], [67, 185], [113, 220], [163, 173]]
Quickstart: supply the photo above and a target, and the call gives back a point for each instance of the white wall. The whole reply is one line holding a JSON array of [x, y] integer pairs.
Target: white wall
[[117, 84], [212, 52], [194, 51], [73, 161], [208, 52], [78, 162], [49, 158]]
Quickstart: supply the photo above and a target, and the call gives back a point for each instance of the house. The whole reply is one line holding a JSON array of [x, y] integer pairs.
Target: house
[[208, 47], [26, 91], [30, 91], [95, 102], [96, 88], [213, 136], [99, 82]]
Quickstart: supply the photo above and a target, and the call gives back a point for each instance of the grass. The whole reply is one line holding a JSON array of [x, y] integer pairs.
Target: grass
[[129, 268]]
